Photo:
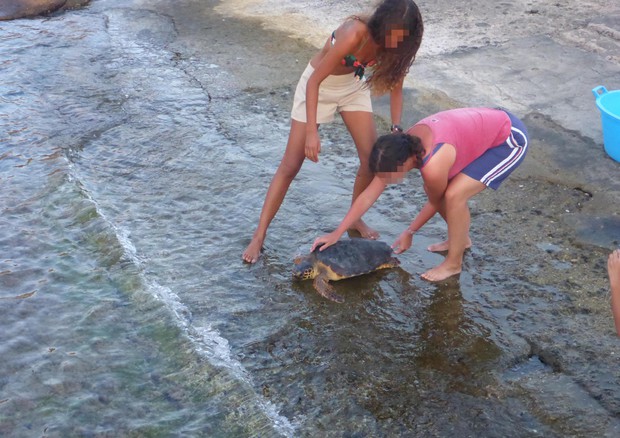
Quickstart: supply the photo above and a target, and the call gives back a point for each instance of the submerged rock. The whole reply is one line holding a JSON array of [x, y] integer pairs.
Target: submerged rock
[[12, 9]]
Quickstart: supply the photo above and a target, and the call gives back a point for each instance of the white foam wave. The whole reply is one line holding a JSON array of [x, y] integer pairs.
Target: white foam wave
[[211, 344], [208, 342]]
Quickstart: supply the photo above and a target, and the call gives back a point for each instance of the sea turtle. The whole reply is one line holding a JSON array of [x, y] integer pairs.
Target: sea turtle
[[344, 259]]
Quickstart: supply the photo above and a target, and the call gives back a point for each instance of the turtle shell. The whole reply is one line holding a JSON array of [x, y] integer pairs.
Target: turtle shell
[[353, 257]]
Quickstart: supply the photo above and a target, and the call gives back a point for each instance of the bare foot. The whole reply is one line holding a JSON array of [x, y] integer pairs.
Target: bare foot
[[252, 252], [443, 246], [366, 232], [613, 270], [441, 272]]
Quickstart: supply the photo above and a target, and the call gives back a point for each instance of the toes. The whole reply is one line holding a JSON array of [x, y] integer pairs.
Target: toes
[[373, 235], [249, 259], [426, 276]]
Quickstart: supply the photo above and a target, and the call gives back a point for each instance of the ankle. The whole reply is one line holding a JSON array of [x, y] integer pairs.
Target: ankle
[[453, 264], [259, 237]]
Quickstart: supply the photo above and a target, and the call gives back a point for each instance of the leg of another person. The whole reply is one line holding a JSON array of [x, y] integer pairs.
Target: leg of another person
[[361, 126], [460, 189], [613, 270], [287, 171]]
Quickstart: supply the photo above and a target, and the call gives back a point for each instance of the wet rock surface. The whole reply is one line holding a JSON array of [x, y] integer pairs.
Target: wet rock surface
[[541, 242], [14, 9]]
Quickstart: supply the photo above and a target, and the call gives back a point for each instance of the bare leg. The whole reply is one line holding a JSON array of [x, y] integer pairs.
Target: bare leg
[[289, 167], [458, 218], [613, 270], [443, 246], [361, 126]]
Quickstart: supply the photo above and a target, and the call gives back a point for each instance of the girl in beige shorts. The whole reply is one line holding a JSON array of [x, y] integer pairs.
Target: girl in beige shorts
[[336, 94], [336, 80]]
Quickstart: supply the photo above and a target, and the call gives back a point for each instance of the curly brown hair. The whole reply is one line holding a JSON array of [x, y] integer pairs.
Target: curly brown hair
[[392, 150], [393, 63]]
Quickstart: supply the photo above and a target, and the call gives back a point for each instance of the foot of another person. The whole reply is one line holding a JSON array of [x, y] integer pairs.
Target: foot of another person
[[366, 232], [441, 272], [443, 246], [252, 252]]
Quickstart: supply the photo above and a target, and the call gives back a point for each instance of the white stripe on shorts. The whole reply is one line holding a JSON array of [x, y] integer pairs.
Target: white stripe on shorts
[[512, 141], [517, 152]]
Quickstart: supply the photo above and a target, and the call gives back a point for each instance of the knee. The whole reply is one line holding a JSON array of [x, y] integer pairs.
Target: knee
[[454, 198], [289, 170], [364, 169]]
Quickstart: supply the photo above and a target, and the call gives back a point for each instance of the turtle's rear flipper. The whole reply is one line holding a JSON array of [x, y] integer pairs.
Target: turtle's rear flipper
[[322, 286]]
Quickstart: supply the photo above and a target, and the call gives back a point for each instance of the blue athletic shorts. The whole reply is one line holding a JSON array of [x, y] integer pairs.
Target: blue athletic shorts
[[492, 167]]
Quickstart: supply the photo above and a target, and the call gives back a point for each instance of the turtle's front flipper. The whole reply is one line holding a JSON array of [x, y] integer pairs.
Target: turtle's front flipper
[[322, 286]]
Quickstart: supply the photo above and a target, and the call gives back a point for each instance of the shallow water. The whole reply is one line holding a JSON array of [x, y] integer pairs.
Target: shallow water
[[133, 167]]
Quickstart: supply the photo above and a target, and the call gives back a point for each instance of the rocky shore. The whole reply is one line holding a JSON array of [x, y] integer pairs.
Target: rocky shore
[[541, 242]]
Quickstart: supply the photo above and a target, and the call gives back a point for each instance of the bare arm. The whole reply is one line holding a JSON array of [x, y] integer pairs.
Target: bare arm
[[435, 176], [361, 205], [396, 103], [427, 212], [404, 241]]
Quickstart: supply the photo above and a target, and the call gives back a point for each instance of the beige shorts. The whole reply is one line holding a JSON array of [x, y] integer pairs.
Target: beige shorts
[[336, 93]]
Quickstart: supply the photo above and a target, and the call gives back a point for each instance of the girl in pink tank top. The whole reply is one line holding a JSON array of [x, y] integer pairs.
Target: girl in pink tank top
[[459, 153], [472, 131]]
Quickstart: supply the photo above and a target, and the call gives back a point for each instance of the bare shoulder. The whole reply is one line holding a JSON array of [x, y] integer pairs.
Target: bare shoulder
[[419, 130], [352, 30], [447, 152], [439, 164]]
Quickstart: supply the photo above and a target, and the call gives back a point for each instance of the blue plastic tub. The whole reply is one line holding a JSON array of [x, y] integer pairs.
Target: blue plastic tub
[[608, 102]]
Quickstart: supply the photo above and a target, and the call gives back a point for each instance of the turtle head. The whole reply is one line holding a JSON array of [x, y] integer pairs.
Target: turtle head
[[304, 268]]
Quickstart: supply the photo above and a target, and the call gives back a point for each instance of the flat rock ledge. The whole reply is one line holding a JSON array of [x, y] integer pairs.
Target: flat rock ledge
[[13, 9]]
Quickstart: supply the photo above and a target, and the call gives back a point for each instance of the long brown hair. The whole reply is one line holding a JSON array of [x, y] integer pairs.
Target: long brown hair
[[393, 64]]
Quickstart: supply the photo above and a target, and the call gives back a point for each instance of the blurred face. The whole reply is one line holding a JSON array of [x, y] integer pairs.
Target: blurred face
[[399, 175], [395, 36], [391, 177], [394, 177]]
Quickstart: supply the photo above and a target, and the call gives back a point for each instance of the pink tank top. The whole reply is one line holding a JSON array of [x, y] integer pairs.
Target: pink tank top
[[472, 131]]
